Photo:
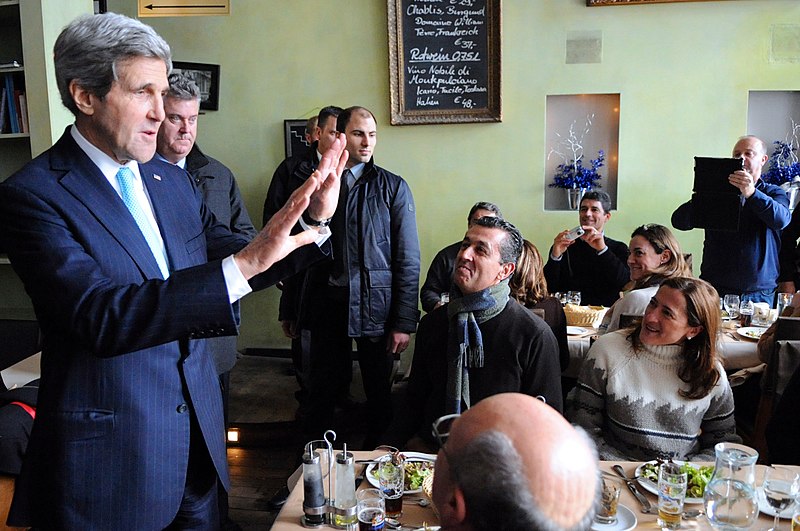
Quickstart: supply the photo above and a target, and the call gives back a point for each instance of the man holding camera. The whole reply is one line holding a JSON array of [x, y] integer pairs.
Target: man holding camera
[[591, 262]]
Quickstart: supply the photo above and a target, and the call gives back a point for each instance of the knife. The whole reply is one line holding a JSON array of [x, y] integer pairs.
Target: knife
[[361, 476], [632, 487]]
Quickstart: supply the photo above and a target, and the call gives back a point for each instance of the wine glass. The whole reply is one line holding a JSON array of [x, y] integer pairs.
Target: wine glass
[[731, 303], [781, 486]]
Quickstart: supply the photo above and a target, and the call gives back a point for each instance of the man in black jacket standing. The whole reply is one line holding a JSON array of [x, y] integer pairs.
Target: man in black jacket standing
[[368, 292], [288, 176]]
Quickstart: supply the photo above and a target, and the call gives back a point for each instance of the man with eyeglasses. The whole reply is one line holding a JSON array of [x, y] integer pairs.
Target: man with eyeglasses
[[513, 463], [479, 344]]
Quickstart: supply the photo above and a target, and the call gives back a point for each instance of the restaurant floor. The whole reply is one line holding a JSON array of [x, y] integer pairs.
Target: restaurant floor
[[262, 407]]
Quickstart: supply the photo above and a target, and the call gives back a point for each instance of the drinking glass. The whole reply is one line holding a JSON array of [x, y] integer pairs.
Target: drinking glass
[[607, 513], [371, 510], [746, 310], [671, 495], [796, 515], [783, 301], [574, 297], [781, 486], [731, 303], [391, 476]]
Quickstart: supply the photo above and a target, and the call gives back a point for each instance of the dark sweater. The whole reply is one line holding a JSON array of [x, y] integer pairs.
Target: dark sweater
[[521, 355], [599, 278]]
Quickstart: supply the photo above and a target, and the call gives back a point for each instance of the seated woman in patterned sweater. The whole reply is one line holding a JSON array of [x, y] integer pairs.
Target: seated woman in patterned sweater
[[659, 391]]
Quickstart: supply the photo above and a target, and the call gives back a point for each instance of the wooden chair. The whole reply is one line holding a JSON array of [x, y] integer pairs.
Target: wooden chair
[[782, 363], [6, 493]]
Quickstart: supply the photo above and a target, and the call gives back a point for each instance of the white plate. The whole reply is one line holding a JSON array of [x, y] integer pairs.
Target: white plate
[[766, 508], [410, 456], [429, 528], [575, 330], [652, 487], [751, 332], [625, 520]]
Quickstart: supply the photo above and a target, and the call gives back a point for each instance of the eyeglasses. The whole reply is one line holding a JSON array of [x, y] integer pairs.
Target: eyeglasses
[[441, 428], [441, 431]]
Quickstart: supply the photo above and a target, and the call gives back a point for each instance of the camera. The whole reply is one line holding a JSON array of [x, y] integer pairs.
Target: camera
[[574, 234]]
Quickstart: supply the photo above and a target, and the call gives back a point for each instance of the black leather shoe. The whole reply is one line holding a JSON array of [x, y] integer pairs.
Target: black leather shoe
[[278, 499]]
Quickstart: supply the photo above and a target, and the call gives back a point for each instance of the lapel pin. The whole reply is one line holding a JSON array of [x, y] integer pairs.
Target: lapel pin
[[157, 177]]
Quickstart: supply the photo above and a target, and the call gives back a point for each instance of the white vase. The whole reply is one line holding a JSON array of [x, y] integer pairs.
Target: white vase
[[574, 196]]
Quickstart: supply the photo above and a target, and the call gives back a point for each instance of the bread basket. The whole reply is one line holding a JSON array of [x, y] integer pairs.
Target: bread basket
[[589, 316]]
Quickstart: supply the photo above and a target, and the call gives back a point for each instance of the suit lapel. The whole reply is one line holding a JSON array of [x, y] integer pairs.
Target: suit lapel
[[88, 185], [167, 197]]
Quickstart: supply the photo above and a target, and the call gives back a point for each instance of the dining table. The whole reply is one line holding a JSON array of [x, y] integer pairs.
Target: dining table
[[737, 351], [415, 516]]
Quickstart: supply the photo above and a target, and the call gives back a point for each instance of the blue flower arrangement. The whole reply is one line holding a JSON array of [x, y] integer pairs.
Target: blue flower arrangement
[[783, 166], [575, 175]]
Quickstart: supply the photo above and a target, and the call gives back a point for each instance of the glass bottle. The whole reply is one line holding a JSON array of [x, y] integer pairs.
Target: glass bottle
[[313, 491], [730, 496], [345, 499]]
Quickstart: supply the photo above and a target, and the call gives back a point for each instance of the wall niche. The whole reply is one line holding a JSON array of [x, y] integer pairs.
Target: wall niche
[[581, 124]]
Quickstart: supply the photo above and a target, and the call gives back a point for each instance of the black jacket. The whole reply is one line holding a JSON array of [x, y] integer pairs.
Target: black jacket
[[382, 252]]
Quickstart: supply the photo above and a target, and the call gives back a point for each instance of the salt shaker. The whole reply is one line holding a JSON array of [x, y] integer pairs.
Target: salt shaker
[[344, 514]]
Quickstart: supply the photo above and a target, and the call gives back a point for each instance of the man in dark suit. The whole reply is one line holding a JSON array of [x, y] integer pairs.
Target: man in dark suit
[[128, 271], [176, 145]]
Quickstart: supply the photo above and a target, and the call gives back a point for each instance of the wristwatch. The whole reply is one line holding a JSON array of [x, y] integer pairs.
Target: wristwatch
[[311, 222]]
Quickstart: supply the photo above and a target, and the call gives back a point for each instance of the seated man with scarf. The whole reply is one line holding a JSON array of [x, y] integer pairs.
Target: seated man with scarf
[[480, 344]]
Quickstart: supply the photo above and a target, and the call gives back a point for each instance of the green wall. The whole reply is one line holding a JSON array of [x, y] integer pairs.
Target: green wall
[[683, 71]]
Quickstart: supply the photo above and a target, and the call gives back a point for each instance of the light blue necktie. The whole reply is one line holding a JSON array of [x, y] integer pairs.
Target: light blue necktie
[[126, 179]]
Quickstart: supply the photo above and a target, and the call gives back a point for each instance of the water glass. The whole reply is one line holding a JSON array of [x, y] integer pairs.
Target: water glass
[[783, 301], [371, 509], [574, 297], [391, 477], [607, 513], [781, 486], [671, 495], [731, 303], [796, 515]]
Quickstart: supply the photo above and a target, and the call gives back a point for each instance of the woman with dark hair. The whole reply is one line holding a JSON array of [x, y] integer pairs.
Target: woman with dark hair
[[659, 391], [654, 255], [529, 288]]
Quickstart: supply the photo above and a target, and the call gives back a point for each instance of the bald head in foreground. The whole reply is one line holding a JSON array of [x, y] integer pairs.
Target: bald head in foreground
[[513, 462]]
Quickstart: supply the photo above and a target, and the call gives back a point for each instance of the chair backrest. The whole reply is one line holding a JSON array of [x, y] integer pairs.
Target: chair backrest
[[788, 328], [19, 339], [784, 359], [627, 320]]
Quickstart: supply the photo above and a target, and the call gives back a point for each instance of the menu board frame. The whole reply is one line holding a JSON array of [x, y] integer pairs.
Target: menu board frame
[[490, 67]]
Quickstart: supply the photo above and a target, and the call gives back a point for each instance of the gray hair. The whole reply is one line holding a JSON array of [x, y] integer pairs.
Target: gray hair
[[501, 499], [511, 246], [763, 149], [484, 205], [89, 49], [183, 88]]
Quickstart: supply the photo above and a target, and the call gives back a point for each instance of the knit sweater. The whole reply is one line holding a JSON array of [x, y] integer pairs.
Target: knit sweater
[[629, 403], [633, 302]]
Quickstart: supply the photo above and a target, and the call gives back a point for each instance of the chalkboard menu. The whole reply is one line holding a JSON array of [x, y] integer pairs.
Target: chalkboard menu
[[445, 61]]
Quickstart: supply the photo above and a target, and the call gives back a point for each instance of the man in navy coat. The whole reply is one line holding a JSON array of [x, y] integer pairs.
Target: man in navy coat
[[129, 429]]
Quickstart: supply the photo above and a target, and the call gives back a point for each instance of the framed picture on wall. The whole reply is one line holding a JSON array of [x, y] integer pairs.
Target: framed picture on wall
[[631, 2], [294, 136], [207, 78]]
